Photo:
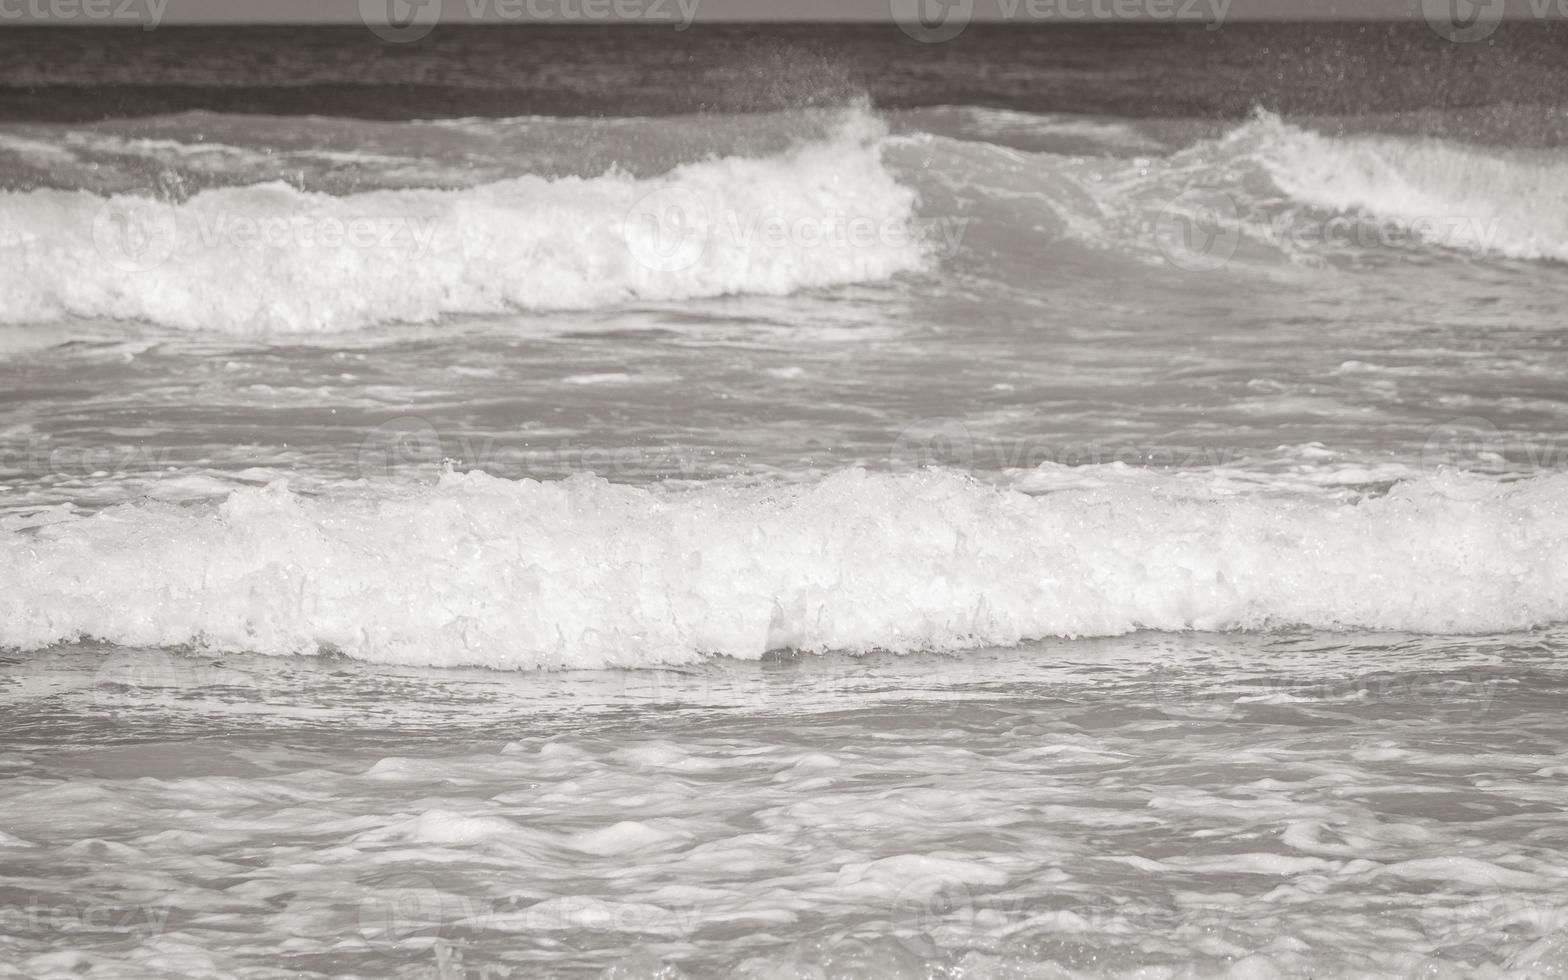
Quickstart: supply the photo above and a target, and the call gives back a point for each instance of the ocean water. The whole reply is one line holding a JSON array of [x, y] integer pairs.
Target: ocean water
[[784, 503]]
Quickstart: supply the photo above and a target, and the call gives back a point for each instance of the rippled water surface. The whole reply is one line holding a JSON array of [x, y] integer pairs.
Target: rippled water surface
[[955, 518]]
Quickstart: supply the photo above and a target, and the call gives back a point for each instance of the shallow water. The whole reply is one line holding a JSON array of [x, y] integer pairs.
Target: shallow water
[[1049, 542], [1370, 805]]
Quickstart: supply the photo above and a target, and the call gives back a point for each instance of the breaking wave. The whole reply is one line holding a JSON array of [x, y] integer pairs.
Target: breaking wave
[[272, 258], [1485, 200], [855, 205], [584, 573]]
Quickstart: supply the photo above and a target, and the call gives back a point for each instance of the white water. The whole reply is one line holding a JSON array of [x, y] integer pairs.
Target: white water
[[271, 258], [1292, 528], [584, 573]]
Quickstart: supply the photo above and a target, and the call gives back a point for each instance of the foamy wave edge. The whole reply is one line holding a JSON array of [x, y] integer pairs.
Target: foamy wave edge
[[271, 258], [1487, 201], [583, 573]]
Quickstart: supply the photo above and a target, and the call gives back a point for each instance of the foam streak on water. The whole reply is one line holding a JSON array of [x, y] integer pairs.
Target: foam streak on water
[[1186, 806]]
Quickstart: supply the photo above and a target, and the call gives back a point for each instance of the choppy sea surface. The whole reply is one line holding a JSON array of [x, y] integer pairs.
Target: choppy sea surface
[[908, 512]]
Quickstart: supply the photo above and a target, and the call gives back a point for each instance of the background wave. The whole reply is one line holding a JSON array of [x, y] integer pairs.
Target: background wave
[[274, 258], [579, 214]]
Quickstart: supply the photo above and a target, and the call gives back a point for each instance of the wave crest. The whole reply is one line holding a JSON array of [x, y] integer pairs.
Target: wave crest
[[1484, 200], [584, 573], [269, 257]]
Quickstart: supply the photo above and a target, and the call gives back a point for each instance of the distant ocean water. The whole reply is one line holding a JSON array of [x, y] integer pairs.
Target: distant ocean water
[[783, 502]]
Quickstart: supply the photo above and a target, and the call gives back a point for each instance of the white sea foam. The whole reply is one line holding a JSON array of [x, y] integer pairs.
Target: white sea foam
[[584, 573], [270, 257], [1485, 200]]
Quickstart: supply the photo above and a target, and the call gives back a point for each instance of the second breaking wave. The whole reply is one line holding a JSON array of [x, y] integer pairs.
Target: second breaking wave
[[584, 573]]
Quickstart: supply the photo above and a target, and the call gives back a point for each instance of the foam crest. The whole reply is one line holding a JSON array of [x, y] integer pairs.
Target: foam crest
[[1486, 200], [584, 573], [270, 257]]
